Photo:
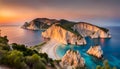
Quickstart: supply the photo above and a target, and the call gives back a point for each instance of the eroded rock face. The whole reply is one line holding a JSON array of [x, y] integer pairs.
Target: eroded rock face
[[95, 51], [63, 36], [72, 59], [67, 31], [39, 23], [86, 29]]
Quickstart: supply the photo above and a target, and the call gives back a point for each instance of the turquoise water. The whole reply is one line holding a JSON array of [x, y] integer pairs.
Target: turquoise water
[[110, 47]]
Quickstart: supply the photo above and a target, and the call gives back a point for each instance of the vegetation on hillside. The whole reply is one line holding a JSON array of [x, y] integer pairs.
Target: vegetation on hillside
[[105, 66], [67, 25], [20, 57]]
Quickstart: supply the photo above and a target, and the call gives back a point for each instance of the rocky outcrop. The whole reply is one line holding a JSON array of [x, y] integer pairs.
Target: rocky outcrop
[[62, 35], [39, 23], [72, 60], [66, 31], [95, 51], [25, 25], [87, 29]]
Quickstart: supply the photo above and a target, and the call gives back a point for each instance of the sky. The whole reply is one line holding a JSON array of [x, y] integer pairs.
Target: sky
[[20, 11]]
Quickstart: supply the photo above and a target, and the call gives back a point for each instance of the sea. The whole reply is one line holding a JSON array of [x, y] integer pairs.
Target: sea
[[110, 47], [16, 34]]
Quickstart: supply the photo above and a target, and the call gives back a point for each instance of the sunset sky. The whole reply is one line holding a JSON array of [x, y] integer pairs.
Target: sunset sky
[[19, 11]]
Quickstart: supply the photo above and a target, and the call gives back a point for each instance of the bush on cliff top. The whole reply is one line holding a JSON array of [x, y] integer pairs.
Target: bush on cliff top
[[21, 57]]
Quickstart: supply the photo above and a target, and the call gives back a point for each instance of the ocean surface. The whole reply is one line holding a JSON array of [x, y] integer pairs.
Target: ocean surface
[[110, 47], [18, 35]]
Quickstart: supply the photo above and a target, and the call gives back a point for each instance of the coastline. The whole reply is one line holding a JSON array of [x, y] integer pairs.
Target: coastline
[[50, 49]]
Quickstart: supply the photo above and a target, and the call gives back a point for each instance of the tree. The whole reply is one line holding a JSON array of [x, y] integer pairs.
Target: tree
[[26, 51], [105, 65], [14, 58], [98, 67], [35, 62], [4, 47], [4, 40], [44, 55], [21, 57]]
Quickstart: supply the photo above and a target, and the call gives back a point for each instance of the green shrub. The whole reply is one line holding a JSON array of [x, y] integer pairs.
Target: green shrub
[[105, 65], [4, 40], [14, 59], [21, 57], [26, 51], [35, 62]]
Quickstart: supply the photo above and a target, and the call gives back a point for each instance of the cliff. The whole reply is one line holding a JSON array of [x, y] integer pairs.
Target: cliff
[[67, 31], [72, 60], [87, 29], [95, 51], [39, 23], [62, 35]]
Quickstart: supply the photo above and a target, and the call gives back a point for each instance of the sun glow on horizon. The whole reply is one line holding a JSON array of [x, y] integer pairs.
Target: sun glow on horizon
[[7, 15], [10, 16]]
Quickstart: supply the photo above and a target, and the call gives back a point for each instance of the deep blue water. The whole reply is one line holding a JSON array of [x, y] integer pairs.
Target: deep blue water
[[110, 47]]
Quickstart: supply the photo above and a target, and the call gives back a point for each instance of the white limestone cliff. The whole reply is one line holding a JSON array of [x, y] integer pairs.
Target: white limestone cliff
[[86, 29], [95, 51], [67, 31], [72, 60], [63, 36]]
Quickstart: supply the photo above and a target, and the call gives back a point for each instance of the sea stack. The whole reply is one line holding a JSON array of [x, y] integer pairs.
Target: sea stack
[[72, 60], [95, 51]]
